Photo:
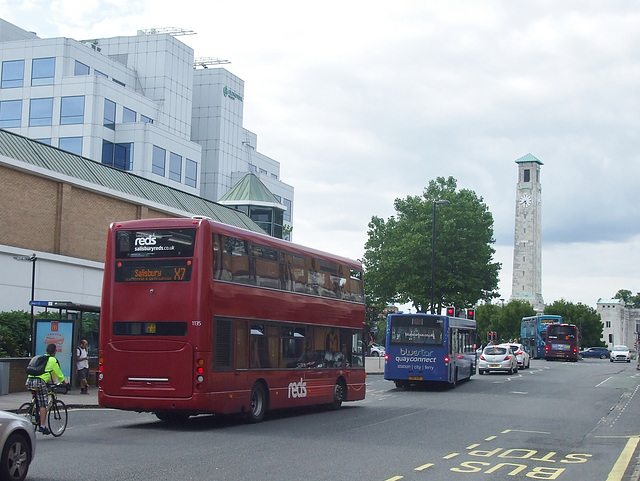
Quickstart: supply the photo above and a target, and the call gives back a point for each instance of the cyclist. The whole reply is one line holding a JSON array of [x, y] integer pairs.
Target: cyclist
[[39, 385]]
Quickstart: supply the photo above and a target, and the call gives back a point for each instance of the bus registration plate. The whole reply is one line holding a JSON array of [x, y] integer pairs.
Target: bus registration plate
[[415, 378]]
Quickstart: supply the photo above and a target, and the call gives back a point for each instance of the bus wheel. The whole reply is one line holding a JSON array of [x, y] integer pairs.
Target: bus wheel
[[338, 395], [401, 384], [258, 403]]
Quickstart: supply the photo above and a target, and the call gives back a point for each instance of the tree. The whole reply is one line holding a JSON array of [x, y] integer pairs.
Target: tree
[[505, 320], [15, 333], [397, 257], [586, 318], [630, 301]]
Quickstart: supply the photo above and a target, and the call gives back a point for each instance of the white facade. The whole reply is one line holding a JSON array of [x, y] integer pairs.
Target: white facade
[[621, 324], [136, 103], [82, 279], [229, 150]]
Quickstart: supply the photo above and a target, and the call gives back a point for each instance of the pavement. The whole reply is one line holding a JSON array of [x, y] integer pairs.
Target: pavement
[[73, 399]]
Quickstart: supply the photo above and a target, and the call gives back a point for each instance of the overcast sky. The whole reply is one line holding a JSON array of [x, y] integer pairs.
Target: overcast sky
[[363, 102]]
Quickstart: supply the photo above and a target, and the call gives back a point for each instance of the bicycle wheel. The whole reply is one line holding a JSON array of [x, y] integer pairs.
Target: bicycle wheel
[[57, 418], [29, 411]]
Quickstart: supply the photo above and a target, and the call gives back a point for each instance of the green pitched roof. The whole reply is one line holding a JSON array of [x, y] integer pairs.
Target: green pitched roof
[[42, 156], [528, 158], [250, 191]]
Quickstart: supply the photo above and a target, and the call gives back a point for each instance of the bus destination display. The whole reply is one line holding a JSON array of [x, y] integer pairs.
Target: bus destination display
[[153, 271]]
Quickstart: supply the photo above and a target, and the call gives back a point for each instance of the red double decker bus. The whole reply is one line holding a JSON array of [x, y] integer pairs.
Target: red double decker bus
[[201, 317]]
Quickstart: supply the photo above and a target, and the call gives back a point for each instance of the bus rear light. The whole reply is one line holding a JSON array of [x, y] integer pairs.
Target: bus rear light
[[386, 357], [200, 378], [446, 359], [200, 370]]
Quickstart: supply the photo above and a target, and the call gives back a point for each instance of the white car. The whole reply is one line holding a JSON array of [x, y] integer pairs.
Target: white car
[[18, 445], [377, 350], [620, 353], [524, 360]]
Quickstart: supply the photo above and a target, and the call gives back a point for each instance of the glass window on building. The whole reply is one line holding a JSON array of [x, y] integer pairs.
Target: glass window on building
[[43, 71], [44, 141], [191, 173], [128, 115], [287, 213], [98, 73], [40, 112], [119, 156], [145, 119], [118, 82], [12, 74], [109, 118], [71, 144], [81, 69], [10, 113], [175, 167], [158, 160], [72, 110]]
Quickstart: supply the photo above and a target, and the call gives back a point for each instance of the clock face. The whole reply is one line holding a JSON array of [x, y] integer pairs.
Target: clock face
[[525, 200]]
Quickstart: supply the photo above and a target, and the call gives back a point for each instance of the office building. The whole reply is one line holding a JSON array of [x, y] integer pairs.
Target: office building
[[136, 103]]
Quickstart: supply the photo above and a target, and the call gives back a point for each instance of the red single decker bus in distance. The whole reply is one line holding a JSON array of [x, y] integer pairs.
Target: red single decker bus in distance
[[201, 317], [563, 342]]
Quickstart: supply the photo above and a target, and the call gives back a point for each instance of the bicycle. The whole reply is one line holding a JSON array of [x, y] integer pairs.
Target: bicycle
[[56, 412]]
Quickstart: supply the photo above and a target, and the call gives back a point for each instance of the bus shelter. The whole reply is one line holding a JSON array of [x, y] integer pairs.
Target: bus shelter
[[65, 327]]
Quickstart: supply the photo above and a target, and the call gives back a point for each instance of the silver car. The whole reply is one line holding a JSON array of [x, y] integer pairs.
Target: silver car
[[524, 360], [18, 445], [498, 358]]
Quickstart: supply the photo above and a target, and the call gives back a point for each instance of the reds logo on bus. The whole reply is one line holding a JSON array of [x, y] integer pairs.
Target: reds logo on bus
[[146, 241], [298, 389]]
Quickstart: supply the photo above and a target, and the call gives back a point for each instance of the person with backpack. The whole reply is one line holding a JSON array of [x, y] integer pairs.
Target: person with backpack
[[38, 382]]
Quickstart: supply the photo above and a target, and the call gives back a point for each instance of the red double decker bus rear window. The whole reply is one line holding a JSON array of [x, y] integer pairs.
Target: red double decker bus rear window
[[155, 243]]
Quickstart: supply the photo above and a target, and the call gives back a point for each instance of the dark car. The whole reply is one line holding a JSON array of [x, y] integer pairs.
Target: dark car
[[600, 352]]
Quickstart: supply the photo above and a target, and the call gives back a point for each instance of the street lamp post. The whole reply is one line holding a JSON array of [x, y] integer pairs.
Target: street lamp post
[[433, 252], [32, 258]]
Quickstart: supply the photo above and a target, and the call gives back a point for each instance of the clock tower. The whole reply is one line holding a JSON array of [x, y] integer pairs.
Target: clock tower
[[527, 246]]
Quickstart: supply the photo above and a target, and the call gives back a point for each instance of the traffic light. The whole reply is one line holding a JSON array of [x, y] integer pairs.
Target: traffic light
[[451, 311], [471, 313], [489, 336]]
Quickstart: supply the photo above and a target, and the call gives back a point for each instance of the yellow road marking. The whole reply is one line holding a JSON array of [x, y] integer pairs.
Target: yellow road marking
[[450, 456], [623, 460], [395, 478], [423, 467]]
